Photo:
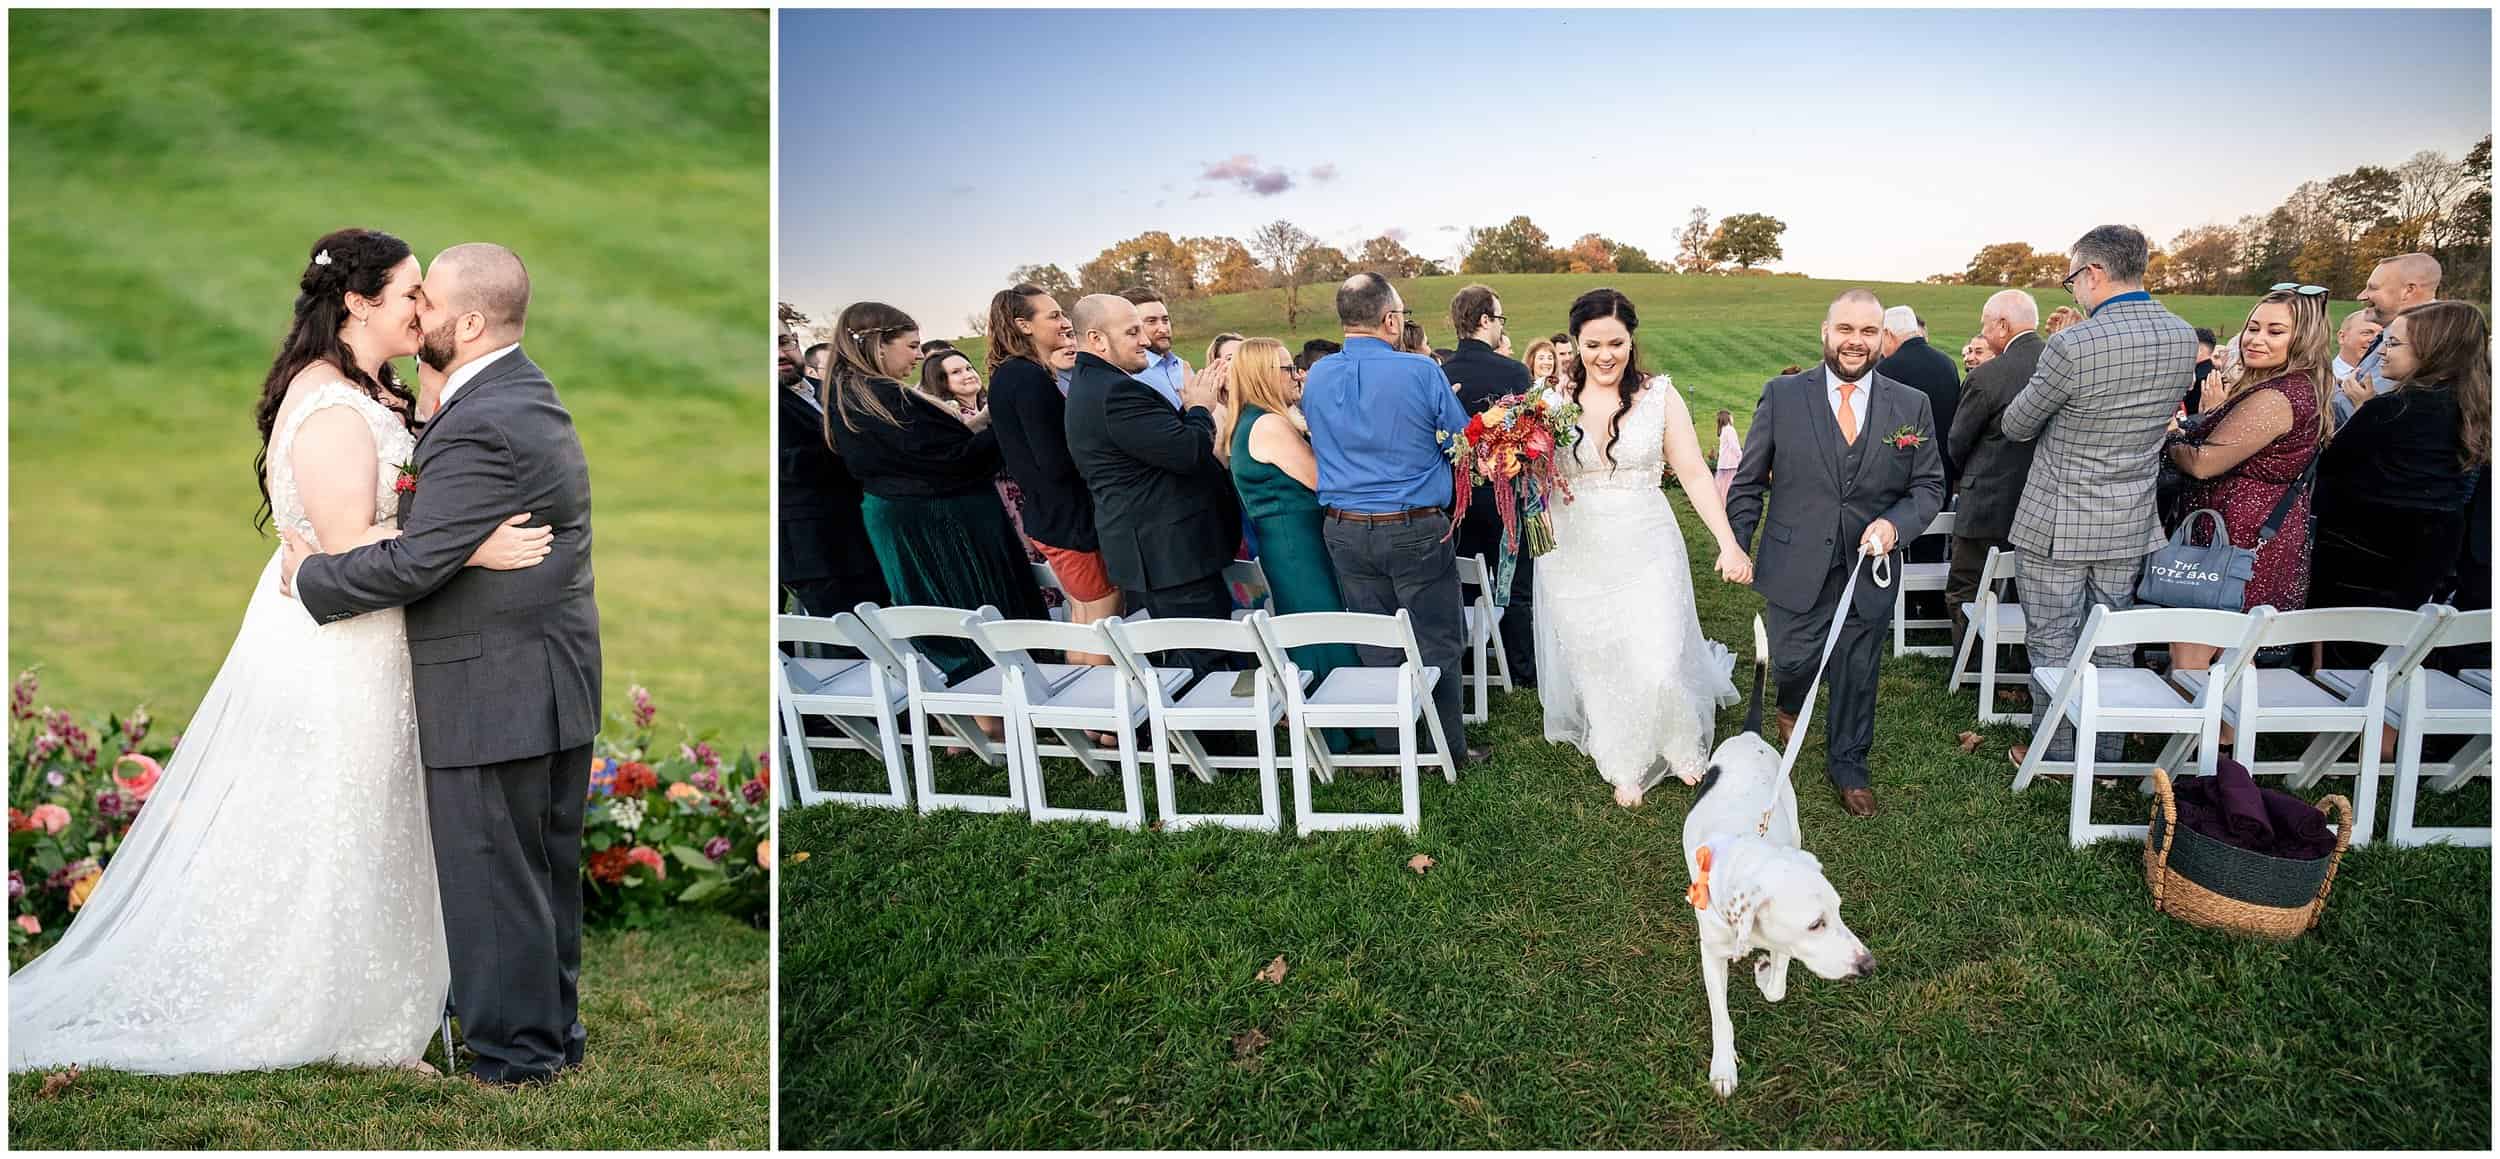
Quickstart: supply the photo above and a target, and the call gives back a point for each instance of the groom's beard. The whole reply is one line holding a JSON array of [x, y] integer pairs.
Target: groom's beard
[[1832, 362], [436, 349]]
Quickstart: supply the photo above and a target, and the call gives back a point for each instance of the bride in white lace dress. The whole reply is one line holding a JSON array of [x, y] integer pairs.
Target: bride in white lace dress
[[274, 902], [1622, 667]]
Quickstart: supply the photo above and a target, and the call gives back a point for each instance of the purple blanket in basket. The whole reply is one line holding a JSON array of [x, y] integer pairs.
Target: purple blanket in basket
[[2230, 808]]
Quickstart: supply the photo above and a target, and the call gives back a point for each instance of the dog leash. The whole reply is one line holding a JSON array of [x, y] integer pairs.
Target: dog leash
[[1881, 570]]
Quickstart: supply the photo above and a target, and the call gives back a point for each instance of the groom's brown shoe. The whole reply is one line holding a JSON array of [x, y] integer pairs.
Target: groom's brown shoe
[[1858, 802], [1788, 724]]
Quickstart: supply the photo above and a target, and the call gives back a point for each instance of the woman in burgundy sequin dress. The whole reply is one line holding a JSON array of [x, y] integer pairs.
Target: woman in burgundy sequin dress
[[2256, 439]]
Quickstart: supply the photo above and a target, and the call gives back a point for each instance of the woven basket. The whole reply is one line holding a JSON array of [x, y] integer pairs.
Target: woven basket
[[2204, 882]]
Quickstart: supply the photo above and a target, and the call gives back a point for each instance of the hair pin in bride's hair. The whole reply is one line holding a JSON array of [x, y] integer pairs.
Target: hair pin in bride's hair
[[322, 258]]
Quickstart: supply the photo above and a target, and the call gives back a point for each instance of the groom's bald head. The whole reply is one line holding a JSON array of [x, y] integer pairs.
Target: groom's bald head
[[487, 279]]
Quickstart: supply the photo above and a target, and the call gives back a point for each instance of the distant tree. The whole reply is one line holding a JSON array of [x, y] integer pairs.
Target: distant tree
[[977, 323], [1053, 280], [1151, 259], [1943, 279], [1515, 247], [1433, 270], [1327, 264], [1237, 271], [2005, 263], [1631, 259], [1692, 244], [1591, 254], [1388, 257], [2466, 254], [1286, 248], [1747, 239], [2203, 258], [2161, 274], [789, 317], [2046, 269]]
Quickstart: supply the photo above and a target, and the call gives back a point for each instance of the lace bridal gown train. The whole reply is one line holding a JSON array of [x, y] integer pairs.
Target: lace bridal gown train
[[1623, 669], [274, 902]]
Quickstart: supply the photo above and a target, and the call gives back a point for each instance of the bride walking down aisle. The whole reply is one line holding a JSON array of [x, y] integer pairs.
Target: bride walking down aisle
[[1626, 675]]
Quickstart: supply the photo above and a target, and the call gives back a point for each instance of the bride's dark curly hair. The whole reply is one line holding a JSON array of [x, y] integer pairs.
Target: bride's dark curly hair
[[1605, 302], [360, 261]]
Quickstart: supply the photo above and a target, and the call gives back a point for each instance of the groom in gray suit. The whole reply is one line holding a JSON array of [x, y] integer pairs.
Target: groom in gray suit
[[1855, 458], [505, 664]]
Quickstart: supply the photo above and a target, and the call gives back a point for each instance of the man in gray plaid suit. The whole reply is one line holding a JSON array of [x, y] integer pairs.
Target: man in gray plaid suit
[[2098, 405]]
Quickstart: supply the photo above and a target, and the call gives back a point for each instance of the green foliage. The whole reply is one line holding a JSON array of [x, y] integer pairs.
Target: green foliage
[[1747, 239], [1516, 246], [168, 169]]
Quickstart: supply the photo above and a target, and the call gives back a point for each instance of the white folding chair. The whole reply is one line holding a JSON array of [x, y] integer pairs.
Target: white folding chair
[[1247, 575], [1922, 577], [2125, 700], [2433, 703], [1048, 581], [861, 698], [2476, 678], [1356, 697], [1215, 704], [1483, 622], [1068, 700], [1995, 625], [2281, 700], [953, 705]]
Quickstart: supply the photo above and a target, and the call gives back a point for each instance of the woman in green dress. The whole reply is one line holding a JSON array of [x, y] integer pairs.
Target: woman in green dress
[[932, 508], [1276, 476]]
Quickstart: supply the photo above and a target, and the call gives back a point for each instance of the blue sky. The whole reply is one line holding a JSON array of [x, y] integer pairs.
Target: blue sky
[[924, 154]]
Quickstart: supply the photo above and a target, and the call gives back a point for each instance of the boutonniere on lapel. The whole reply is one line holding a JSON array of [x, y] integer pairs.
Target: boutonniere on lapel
[[1907, 439], [407, 483]]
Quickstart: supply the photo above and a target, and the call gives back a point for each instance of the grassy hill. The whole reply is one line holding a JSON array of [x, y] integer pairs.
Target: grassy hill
[[167, 171], [1720, 337]]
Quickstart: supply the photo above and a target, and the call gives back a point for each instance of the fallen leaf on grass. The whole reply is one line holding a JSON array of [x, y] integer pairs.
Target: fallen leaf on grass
[[1970, 741], [1248, 1042], [1274, 973], [1421, 862], [1636, 951], [56, 1082], [1155, 826], [799, 856], [1469, 1104]]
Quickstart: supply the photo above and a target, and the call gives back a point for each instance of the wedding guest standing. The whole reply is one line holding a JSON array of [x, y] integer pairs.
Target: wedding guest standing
[[2396, 285], [827, 565], [1221, 347], [2098, 406], [1377, 419], [1313, 351], [1480, 376], [933, 514], [948, 377], [2353, 340], [818, 362], [2394, 485], [1731, 453], [1164, 370], [1566, 360], [1994, 467], [1163, 506], [1028, 334], [2249, 455], [1277, 476], [1541, 360], [1911, 361]]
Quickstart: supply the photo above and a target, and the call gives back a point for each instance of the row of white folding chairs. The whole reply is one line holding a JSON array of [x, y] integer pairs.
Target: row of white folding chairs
[[1486, 661], [2336, 708], [871, 700], [1995, 624]]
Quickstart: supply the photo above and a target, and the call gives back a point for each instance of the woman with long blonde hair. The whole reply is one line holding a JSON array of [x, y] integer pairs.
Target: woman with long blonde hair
[[2258, 436], [1277, 477]]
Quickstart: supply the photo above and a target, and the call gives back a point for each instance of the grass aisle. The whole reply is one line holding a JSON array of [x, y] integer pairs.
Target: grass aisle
[[679, 1057], [962, 981]]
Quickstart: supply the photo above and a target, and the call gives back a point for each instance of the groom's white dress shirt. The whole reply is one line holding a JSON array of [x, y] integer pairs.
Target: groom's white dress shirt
[[461, 377]]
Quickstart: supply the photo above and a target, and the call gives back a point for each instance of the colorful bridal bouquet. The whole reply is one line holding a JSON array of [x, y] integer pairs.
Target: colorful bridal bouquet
[[1512, 446]]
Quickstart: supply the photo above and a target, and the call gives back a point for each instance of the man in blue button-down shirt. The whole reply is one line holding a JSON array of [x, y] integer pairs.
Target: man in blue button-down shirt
[[1165, 371], [1377, 420]]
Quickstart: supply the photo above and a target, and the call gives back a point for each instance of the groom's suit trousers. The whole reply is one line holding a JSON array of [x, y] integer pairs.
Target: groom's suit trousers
[[507, 854], [1848, 702]]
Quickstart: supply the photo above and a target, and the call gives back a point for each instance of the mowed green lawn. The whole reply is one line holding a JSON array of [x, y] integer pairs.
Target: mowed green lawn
[[1720, 338], [982, 981], [680, 1058], [169, 170]]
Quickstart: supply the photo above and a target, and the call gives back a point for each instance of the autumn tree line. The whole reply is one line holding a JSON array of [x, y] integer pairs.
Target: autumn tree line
[[2326, 233]]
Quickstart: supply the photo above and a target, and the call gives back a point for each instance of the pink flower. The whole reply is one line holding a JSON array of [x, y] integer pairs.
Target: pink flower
[[754, 791], [22, 696], [135, 729], [648, 858], [50, 818], [144, 782], [643, 710], [716, 848], [706, 779], [28, 923]]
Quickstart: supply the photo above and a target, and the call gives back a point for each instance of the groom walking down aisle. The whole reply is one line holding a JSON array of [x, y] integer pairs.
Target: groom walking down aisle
[[1856, 458], [506, 663]]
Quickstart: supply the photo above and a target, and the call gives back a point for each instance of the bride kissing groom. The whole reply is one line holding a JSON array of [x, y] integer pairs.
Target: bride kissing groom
[[415, 733]]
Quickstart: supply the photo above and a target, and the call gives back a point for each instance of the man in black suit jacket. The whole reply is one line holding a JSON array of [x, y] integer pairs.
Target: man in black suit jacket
[[826, 562], [505, 664], [1912, 362], [1994, 467], [1855, 457], [1480, 375], [1162, 509]]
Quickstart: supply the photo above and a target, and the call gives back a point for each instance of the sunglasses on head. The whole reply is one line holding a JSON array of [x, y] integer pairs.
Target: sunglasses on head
[[2297, 288]]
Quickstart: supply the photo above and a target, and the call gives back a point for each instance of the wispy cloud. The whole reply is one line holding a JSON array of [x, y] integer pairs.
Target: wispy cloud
[[1243, 169], [1324, 171]]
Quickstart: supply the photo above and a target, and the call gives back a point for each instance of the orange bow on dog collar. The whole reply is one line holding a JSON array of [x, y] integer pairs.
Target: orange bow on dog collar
[[1699, 892]]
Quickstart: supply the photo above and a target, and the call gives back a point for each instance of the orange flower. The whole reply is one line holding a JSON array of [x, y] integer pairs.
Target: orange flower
[[80, 889], [609, 866], [635, 778], [764, 853], [684, 794]]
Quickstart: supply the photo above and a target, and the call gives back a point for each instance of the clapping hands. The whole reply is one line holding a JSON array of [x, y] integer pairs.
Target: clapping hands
[[1209, 388]]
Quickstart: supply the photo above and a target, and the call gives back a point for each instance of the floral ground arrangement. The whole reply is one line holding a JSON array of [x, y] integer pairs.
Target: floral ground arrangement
[[673, 822], [982, 981]]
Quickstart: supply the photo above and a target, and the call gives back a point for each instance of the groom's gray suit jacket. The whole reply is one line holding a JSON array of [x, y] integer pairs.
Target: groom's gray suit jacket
[[506, 662], [1822, 495]]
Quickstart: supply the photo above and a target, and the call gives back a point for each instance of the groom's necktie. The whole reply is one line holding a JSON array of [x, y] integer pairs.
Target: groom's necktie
[[1847, 415]]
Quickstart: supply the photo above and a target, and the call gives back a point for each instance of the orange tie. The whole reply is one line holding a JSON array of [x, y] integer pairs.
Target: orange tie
[[1848, 417]]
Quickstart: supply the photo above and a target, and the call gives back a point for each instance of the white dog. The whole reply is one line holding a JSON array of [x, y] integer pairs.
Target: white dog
[[1754, 887]]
